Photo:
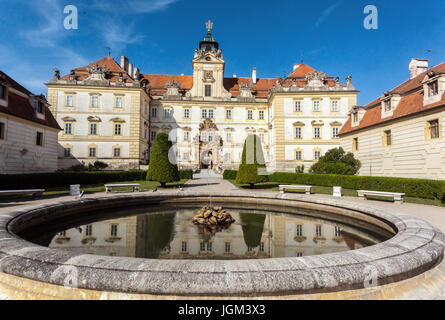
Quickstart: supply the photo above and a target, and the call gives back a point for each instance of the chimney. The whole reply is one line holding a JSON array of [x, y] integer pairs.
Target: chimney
[[135, 72], [234, 75], [254, 79], [418, 66], [296, 66], [130, 69], [124, 63]]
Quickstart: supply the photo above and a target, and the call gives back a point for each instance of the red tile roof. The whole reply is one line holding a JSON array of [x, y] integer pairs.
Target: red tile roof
[[108, 62], [411, 103], [21, 107]]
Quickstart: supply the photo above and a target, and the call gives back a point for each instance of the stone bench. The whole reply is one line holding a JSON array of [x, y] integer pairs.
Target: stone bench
[[307, 189], [398, 197], [135, 186], [36, 193]]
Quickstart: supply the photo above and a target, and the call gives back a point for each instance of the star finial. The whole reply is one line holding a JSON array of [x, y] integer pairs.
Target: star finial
[[209, 26]]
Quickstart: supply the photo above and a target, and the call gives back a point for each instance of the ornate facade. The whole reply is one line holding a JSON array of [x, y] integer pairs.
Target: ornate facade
[[207, 114]]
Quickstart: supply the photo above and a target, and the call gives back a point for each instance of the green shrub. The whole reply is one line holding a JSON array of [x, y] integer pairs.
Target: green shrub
[[186, 174], [299, 169], [230, 174], [416, 188], [251, 162], [161, 169], [253, 227], [337, 161], [64, 179]]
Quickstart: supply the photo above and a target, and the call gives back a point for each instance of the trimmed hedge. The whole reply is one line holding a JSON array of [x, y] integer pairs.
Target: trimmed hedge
[[64, 179], [416, 188], [230, 174]]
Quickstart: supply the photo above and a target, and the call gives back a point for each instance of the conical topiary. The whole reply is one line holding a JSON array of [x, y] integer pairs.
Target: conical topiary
[[252, 160], [160, 168], [253, 227]]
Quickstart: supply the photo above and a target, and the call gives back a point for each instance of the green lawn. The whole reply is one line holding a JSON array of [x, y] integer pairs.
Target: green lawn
[[273, 186]]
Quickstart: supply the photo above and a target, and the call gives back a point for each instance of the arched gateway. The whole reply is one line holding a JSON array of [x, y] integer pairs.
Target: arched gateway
[[209, 147]]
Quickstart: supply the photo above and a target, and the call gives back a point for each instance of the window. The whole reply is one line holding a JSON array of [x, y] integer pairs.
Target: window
[[210, 114], [355, 144], [318, 230], [186, 156], [94, 101], [229, 137], [204, 114], [297, 106], [2, 131], [93, 129], [299, 230], [92, 152], [337, 232], [209, 246], [39, 139], [262, 247], [334, 106], [227, 157], [119, 102], [388, 138], [317, 155], [227, 247], [298, 155], [210, 136], [335, 133], [387, 104], [67, 152], [69, 101], [433, 88], [117, 129], [62, 234], [317, 133], [434, 129], [250, 115], [167, 113], [316, 106], [89, 230], [68, 128], [3, 91], [117, 152], [113, 230], [153, 135], [208, 90], [186, 136], [154, 112], [356, 117], [186, 113], [202, 246], [299, 254], [204, 137], [298, 133], [40, 107], [228, 114], [184, 246], [262, 137], [261, 115]]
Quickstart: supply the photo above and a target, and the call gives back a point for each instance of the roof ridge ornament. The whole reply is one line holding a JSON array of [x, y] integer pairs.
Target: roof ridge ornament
[[209, 26]]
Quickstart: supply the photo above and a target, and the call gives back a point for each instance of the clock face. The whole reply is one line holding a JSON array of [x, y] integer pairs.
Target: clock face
[[208, 59], [208, 74]]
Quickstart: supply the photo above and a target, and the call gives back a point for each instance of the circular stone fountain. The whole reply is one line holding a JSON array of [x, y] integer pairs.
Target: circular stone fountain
[[401, 267]]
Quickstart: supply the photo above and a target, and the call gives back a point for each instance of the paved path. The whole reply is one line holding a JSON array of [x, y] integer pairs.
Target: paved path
[[207, 174]]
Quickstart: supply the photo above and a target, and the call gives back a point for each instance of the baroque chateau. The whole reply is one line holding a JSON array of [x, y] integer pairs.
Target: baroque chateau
[[112, 111]]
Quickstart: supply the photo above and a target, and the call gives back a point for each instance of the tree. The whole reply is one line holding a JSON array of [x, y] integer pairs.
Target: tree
[[337, 161], [252, 160], [160, 169]]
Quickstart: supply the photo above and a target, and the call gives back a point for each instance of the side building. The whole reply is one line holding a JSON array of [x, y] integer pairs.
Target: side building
[[401, 133], [103, 110], [28, 130]]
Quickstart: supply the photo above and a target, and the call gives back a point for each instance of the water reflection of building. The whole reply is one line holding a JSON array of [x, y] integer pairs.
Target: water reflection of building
[[172, 235]]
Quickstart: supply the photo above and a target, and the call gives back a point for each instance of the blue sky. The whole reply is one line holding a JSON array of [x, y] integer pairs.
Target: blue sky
[[159, 36]]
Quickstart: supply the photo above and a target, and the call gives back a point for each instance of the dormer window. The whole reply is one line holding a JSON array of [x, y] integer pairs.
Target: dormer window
[[3, 91], [40, 107], [433, 88], [387, 105], [356, 117]]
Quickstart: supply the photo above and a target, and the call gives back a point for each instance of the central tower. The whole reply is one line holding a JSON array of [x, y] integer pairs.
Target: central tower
[[208, 69]]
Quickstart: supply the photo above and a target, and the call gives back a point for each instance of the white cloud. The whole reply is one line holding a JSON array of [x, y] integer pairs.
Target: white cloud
[[326, 13], [133, 6], [118, 36]]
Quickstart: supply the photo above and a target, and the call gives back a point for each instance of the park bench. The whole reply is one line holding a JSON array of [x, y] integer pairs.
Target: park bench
[[307, 189], [398, 197], [135, 186], [36, 193]]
